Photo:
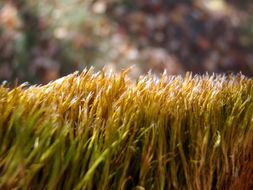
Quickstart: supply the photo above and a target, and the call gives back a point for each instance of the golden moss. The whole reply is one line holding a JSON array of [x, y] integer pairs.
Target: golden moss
[[102, 131]]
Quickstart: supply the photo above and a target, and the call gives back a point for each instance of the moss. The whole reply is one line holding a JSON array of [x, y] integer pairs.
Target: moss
[[103, 131]]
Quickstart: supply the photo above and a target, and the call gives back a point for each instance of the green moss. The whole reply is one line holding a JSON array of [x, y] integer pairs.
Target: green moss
[[102, 131]]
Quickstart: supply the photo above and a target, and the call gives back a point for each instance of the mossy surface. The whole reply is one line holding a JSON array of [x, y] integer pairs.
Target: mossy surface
[[103, 131]]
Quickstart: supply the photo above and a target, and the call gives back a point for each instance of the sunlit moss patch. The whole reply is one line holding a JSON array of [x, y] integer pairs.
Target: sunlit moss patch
[[104, 131]]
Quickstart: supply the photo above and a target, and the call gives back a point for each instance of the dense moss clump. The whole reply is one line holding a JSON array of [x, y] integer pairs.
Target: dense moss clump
[[103, 131]]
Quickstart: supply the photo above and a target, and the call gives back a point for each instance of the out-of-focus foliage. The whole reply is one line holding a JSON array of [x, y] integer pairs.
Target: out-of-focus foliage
[[43, 40], [192, 35]]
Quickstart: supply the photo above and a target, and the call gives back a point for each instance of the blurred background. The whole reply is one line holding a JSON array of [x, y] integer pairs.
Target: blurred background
[[42, 40]]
